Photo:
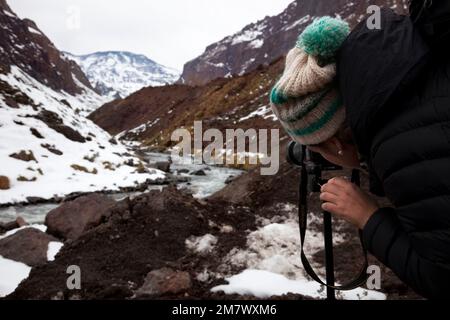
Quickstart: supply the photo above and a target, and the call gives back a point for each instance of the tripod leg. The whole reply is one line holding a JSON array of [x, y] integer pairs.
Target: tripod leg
[[329, 259]]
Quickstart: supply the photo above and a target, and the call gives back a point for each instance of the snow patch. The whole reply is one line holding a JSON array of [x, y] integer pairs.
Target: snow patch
[[256, 44], [12, 273], [248, 35], [33, 30], [299, 22], [272, 261], [53, 249], [263, 284], [139, 129], [10, 14], [202, 245], [264, 111]]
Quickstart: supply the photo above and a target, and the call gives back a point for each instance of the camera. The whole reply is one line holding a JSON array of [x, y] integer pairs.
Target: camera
[[299, 155], [312, 162], [311, 165]]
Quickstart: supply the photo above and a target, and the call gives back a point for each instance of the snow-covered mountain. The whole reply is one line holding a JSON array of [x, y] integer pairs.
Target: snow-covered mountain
[[118, 73], [272, 37], [47, 147]]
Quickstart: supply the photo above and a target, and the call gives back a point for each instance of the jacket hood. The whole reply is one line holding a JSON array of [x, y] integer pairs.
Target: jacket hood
[[433, 18], [373, 66]]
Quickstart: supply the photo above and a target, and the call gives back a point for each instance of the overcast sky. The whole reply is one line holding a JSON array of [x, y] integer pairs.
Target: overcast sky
[[171, 32]]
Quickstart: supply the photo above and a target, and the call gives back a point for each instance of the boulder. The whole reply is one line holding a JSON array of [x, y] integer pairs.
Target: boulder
[[28, 246], [164, 281], [162, 165], [4, 183], [19, 222], [71, 219], [198, 173]]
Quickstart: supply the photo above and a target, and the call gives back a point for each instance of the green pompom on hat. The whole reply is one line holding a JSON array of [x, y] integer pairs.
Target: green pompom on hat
[[324, 37]]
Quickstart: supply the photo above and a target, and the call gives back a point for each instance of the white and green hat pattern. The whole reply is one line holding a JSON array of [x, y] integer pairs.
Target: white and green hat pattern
[[306, 99]]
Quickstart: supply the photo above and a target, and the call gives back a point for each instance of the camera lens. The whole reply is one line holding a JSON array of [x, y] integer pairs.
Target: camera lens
[[295, 153]]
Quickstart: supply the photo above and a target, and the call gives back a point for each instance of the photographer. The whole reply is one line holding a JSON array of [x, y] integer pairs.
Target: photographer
[[395, 86]]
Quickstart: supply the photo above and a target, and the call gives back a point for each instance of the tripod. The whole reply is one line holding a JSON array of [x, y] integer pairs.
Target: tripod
[[311, 167]]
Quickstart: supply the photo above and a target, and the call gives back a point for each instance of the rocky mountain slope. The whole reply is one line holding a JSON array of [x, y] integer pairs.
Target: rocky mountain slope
[[264, 41], [152, 114], [117, 74], [24, 45], [48, 148]]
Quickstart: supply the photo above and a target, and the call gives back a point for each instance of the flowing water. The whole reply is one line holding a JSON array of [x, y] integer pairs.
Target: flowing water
[[201, 186]]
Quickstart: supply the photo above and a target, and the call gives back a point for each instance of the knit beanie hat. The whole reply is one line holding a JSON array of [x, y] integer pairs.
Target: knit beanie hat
[[306, 99]]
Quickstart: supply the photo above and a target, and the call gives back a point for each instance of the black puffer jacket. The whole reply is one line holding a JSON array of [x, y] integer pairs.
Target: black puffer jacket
[[396, 87]]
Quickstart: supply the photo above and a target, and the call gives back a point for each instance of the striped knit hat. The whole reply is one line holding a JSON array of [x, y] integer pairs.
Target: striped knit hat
[[306, 99]]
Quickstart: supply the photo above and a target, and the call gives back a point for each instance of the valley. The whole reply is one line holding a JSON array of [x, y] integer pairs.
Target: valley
[[87, 178]]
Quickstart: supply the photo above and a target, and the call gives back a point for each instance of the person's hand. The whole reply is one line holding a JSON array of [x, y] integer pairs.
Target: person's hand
[[346, 200]]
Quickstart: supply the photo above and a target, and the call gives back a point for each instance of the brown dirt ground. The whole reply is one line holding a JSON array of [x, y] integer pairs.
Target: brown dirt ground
[[116, 256]]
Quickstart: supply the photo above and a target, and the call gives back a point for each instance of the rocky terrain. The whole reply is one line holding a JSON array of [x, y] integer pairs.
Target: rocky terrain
[[168, 245], [117, 74], [270, 38]]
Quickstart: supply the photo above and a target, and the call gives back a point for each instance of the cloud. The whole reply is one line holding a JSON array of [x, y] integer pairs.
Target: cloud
[[170, 32]]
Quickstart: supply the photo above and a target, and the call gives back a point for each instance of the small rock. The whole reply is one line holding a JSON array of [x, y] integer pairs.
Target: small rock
[[59, 296], [19, 222], [35, 200], [182, 171], [198, 173], [129, 162], [164, 281], [64, 101], [52, 149], [229, 179], [141, 168], [162, 165], [36, 133], [4, 183], [24, 156]]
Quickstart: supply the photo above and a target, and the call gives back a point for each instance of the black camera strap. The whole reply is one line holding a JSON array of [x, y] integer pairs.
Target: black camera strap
[[303, 221]]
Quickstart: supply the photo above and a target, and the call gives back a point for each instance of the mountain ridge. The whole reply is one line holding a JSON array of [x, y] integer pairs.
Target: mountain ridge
[[23, 44], [266, 40], [48, 148], [117, 74]]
